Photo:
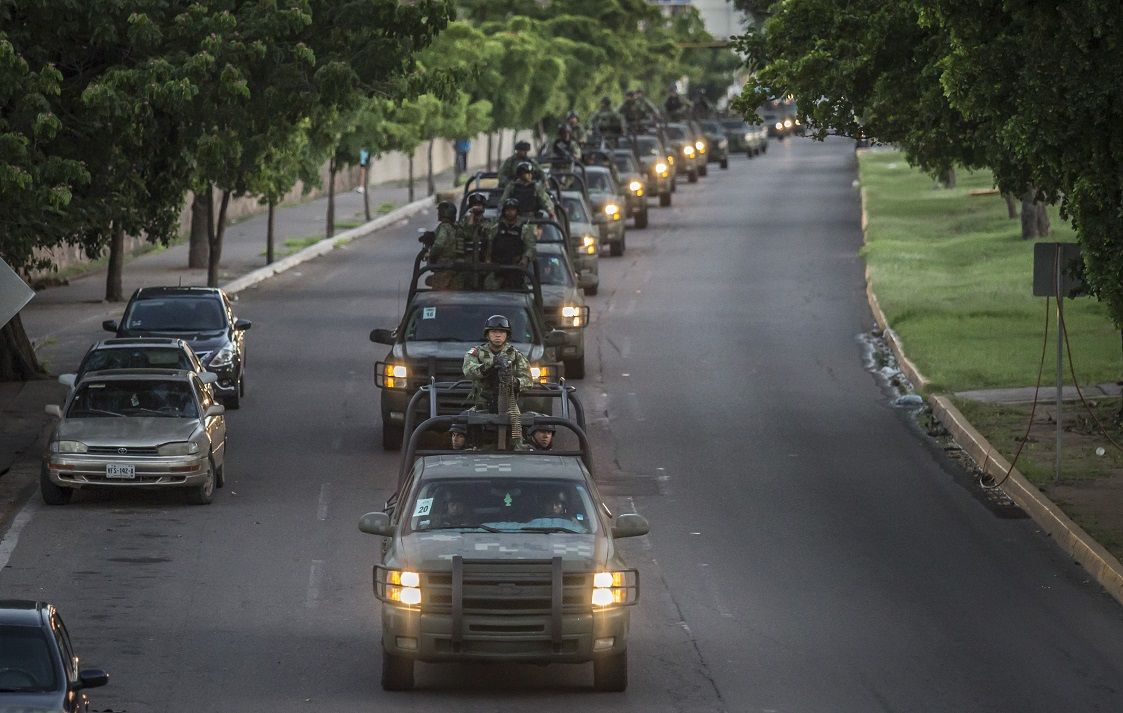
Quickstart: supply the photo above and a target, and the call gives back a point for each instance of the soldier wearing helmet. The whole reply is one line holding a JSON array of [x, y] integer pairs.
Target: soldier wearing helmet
[[607, 122], [510, 241], [565, 146], [540, 435], [531, 196], [509, 170], [576, 130], [483, 363], [448, 245], [474, 226]]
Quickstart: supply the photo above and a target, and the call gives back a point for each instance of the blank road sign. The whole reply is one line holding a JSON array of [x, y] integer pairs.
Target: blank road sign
[[1044, 269], [14, 293]]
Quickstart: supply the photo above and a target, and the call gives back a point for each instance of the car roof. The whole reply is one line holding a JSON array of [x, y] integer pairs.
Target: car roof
[[493, 465], [146, 292], [134, 374], [123, 342], [22, 612]]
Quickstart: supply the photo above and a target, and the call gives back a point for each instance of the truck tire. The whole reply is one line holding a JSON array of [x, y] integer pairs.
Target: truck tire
[[724, 163], [397, 672], [575, 368], [610, 673], [664, 199], [617, 248], [53, 494], [692, 176], [641, 219], [703, 170], [391, 437]]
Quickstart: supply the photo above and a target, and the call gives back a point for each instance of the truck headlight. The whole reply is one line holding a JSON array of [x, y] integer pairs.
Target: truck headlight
[[68, 447], [688, 150], [396, 375], [661, 169], [635, 186], [571, 314], [402, 587], [788, 123], [589, 244], [748, 137], [701, 146], [180, 448], [540, 374], [223, 357], [779, 125], [613, 588], [612, 211]]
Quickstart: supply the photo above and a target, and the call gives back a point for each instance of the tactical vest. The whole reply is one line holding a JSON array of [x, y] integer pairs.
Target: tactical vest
[[507, 245], [527, 196]]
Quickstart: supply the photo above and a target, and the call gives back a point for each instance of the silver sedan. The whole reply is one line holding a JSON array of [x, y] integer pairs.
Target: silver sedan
[[150, 428]]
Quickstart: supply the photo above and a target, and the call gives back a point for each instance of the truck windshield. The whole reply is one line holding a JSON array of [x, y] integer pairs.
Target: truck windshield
[[552, 269], [502, 504], [463, 323]]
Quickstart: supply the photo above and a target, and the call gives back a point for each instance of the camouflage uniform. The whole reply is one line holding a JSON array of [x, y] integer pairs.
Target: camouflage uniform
[[478, 364], [507, 170], [528, 193], [633, 113], [608, 123], [448, 247], [504, 248]]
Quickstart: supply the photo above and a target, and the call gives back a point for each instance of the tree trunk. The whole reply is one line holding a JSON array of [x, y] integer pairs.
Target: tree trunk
[[1121, 381], [366, 191], [1041, 216], [489, 164], [1029, 214], [200, 234], [116, 266], [949, 178], [219, 230], [331, 197], [17, 357], [499, 156], [430, 185], [270, 233], [411, 176], [1011, 205]]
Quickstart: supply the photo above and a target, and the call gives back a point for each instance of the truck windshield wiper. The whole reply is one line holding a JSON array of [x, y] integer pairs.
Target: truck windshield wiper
[[485, 528], [548, 530]]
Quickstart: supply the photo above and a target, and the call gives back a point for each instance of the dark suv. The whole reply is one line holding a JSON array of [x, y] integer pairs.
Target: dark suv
[[201, 316], [38, 668]]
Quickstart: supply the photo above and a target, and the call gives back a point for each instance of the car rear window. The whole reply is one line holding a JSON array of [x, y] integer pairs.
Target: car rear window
[[163, 398], [463, 323], [26, 663], [136, 358], [176, 314]]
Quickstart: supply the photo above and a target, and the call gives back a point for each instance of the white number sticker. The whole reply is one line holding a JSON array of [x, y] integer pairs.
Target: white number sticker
[[424, 505], [429, 313]]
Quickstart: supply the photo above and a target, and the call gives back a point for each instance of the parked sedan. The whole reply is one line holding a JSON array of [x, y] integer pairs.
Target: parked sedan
[[136, 428], [139, 353], [38, 669], [201, 316]]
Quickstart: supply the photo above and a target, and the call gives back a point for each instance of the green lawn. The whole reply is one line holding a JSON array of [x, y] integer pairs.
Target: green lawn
[[954, 278]]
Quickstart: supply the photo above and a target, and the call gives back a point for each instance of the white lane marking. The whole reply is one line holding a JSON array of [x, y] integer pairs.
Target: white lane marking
[[11, 537], [322, 506], [315, 579]]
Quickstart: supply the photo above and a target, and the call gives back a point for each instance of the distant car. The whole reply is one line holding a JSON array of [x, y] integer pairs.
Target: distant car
[[610, 203], [745, 137], [718, 144], [38, 667], [585, 235], [563, 304], [139, 353], [633, 176], [201, 316], [145, 428]]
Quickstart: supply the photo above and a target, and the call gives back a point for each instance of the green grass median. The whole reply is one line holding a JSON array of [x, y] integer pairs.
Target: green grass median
[[953, 277]]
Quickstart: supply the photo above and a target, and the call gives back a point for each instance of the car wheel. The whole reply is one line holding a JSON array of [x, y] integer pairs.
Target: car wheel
[[674, 185], [704, 171], [397, 672], [591, 291], [220, 476], [203, 494], [53, 494], [641, 219], [610, 673], [664, 199], [724, 163], [575, 368], [392, 437], [692, 176], [234, 401]]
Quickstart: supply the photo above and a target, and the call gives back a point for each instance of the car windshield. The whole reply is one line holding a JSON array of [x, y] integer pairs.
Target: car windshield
[[463, 323], [625, 163], [136, 358], [575, 210], [674, 132], [26, 663], [598, 182], [176, 314], [548, 233], [502, 505], [647, 145], [735, 125], [133, 397], [552, 269], [711, 127]]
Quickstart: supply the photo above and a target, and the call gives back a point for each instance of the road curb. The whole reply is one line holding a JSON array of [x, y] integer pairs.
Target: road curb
[[327, 245], [1101, 564]]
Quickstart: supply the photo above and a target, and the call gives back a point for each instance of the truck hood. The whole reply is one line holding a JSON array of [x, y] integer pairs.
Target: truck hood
[[128, 431], [428, 551]]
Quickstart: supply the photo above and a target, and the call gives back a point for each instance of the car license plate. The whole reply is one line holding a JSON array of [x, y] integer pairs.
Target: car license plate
[[122, 472]]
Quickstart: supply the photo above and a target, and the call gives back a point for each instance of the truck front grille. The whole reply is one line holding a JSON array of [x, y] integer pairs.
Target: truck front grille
[[516, 587]]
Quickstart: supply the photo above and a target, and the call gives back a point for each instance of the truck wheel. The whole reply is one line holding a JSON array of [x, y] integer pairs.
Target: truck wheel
[[575, 368], [724, 163], [53, 494], [692, 176], [610, 673], [641, 219], [664, 199], [397, 672], [391, 437], [591, 291], [703, 170]]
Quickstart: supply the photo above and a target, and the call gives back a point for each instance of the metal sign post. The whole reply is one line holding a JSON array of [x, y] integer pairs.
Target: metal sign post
[[1057, 273]]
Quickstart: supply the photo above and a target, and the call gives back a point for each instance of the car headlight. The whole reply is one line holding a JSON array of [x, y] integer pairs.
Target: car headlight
[[661, 168], [571, 314], [748, 137], [402, 587], [612, 588], [180, 448], [540, 374], [635, 186], [688, 150], [788, 123], [612, 211], [779, 124], [395, 375], [671, 159], [223, 357], [589, 244], [701, 146], [68, 447]]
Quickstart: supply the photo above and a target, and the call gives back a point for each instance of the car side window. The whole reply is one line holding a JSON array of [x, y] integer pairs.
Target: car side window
[[65, 649]]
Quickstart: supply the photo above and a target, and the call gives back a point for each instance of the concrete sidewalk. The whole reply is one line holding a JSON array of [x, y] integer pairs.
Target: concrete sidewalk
[[63, 321], [1048, 393]]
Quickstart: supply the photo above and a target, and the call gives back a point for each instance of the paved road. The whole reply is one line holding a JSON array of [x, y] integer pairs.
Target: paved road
[[810, 550]]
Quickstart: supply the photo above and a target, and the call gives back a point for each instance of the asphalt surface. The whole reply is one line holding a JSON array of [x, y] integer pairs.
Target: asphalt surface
[[810, 549]]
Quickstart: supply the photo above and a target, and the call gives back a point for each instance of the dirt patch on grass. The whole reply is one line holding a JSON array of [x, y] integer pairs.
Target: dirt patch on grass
[[1090, 489]]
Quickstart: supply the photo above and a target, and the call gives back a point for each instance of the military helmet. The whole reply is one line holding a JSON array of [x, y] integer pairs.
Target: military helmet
[[524, 167], [606, 101], [477, 198], [511, 203], [497, 321], [458, 428], [563, 129], [547, 427], [446, 211], [522, 145]]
